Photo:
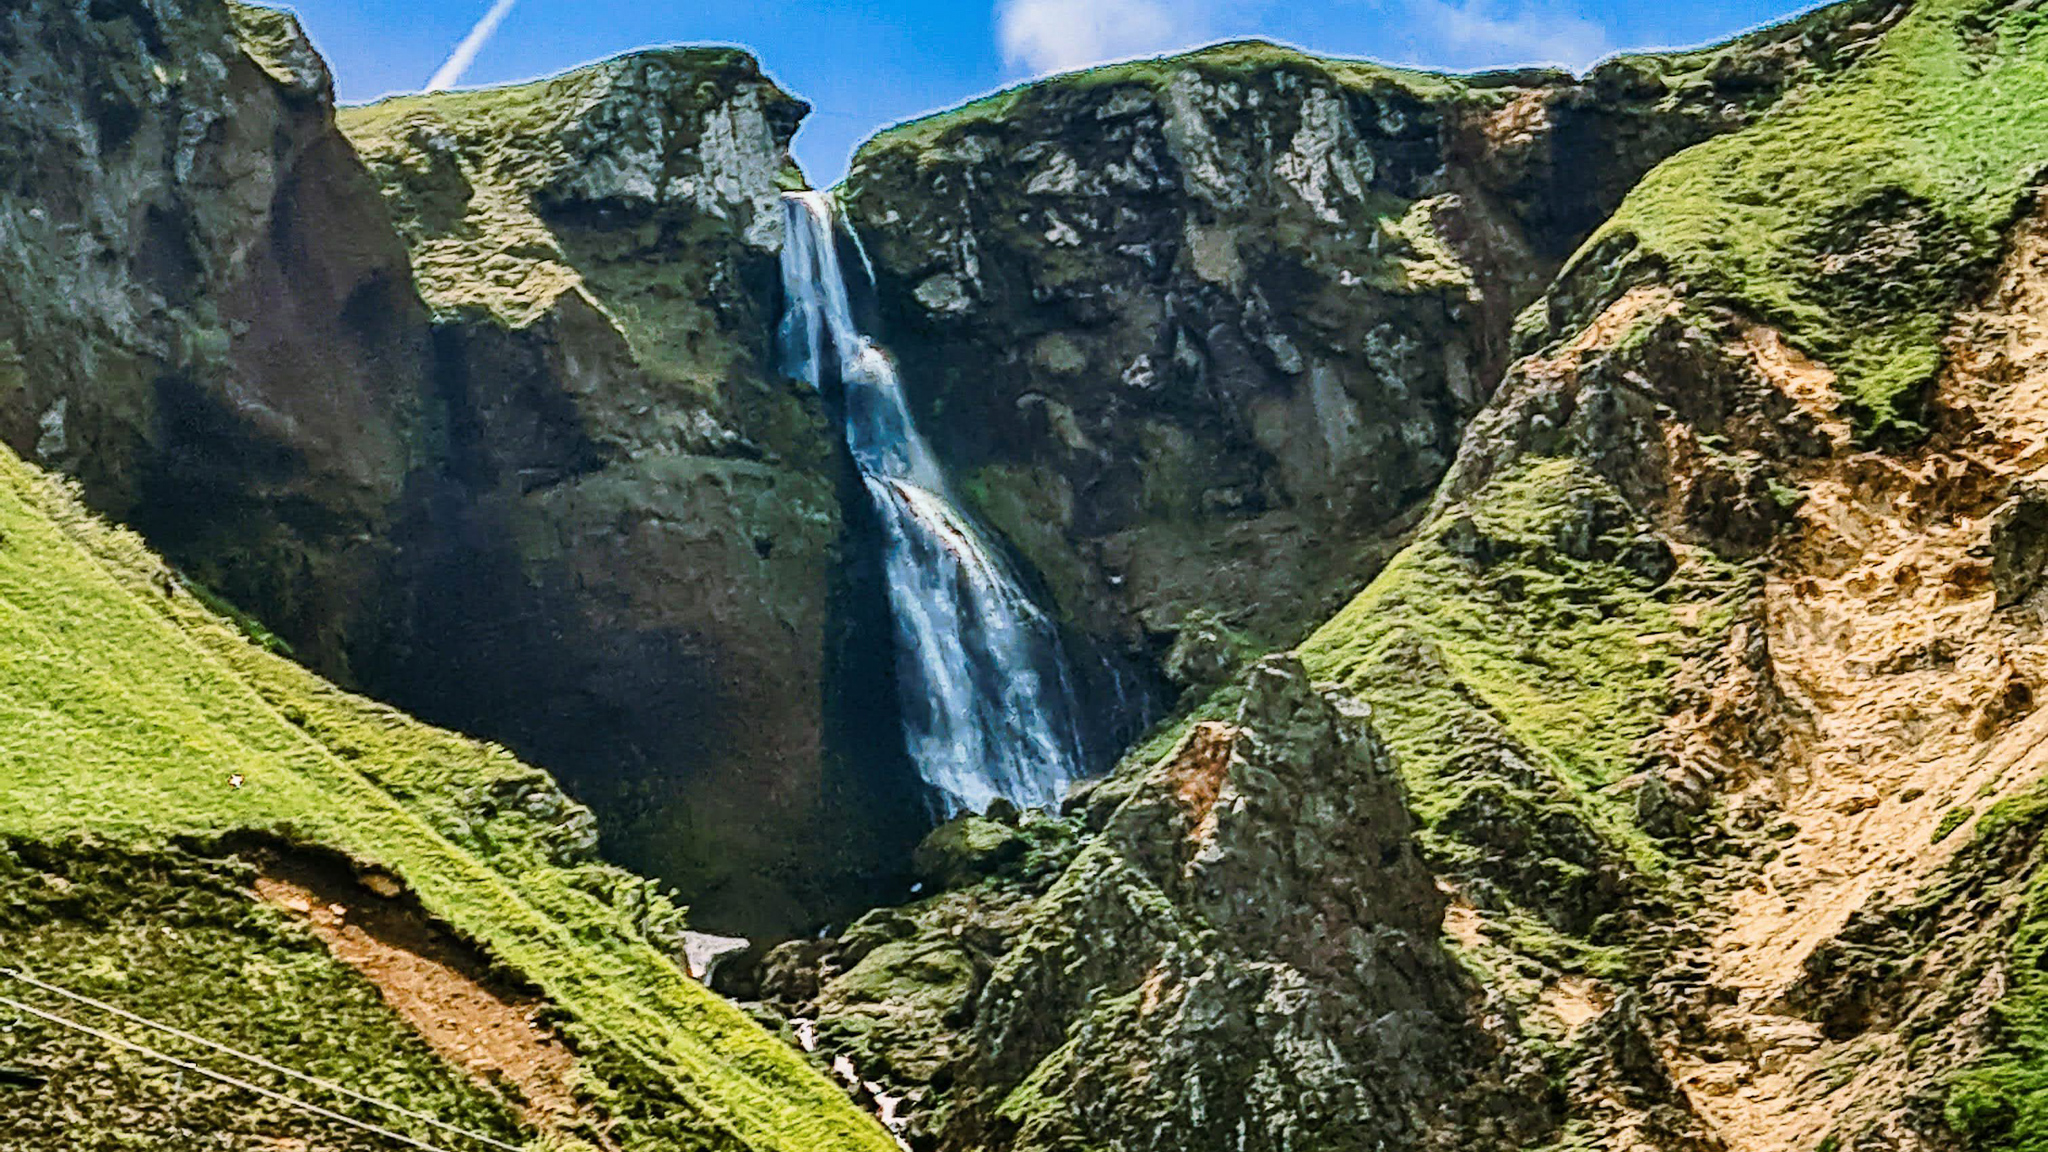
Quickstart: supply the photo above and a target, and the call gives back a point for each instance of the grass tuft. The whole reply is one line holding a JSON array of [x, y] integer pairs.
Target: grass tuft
[[1857, 216]]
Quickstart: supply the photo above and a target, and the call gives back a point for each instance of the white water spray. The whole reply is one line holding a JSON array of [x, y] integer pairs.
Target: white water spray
[[988, 708]]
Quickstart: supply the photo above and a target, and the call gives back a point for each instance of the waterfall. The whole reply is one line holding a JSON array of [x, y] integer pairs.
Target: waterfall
[[988, 705]]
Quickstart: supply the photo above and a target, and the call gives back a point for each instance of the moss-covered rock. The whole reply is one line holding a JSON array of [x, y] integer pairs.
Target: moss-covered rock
[[965, 849], [1203, 331], [1244, 955]]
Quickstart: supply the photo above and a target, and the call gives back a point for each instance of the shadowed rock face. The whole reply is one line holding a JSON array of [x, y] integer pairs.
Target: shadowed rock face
[[203, 313], [625, 556]]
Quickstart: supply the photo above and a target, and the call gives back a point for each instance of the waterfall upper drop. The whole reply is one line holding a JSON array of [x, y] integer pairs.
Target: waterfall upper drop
[[988, 704]]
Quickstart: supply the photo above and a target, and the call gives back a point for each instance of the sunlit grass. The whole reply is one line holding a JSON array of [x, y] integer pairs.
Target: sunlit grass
[[130, 714]]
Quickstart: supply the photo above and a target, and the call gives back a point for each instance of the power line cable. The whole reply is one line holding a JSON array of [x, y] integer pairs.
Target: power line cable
[[259, 1061], [224, 1078]]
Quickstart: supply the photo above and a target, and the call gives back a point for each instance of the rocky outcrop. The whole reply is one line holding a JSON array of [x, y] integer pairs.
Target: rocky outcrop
[[1242, 954], [2019, 544], [622, 555], [204, 315], [1201, 333]]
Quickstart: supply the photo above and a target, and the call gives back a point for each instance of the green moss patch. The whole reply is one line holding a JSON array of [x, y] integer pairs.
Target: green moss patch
[[1855, 217], [2001, 1102], [1951, 820], [272, 38], [1564, 663]]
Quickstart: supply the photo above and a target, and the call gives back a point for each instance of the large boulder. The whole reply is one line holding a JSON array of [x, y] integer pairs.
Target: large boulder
[[1247, 955]]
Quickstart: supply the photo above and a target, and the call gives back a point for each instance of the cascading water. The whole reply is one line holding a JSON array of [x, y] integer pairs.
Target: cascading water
[[988, 706]]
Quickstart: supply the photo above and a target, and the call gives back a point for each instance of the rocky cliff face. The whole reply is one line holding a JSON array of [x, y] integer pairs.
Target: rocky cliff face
[[623, 554], [1710, 662], [1235, 947], [478, 410], [204, 315], [1201, 333]]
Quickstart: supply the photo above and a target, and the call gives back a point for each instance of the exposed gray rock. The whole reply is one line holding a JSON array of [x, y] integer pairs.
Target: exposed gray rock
[[1246, 956], [2019, 544]]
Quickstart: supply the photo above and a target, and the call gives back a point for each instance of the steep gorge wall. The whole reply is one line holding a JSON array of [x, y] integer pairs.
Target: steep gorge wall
[[1200, 333], [203, 313], [625, 555], [490, 425]]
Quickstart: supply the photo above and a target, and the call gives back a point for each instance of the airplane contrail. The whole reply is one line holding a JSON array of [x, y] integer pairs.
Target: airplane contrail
[[465, 52]]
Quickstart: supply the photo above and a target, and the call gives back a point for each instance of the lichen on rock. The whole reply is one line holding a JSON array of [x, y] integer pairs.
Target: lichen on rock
[[1242, 954]]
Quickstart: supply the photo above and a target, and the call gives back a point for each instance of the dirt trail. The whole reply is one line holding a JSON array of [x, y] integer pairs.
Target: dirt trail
[[440, 987], [1914, 698]]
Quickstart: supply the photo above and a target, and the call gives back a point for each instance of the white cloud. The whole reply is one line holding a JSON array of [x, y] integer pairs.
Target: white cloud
[[1038, 36], [1052, 35], [450, 73], [1482, 33]]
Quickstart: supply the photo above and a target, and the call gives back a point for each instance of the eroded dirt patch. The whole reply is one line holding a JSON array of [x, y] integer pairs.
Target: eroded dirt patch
[[1198, 773], [1914, 693], [441, 987]]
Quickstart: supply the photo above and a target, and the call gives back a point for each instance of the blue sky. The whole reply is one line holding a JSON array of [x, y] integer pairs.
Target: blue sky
[[867, 63]]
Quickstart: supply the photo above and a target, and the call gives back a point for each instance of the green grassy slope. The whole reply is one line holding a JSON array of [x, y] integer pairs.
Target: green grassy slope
[[125, 711], [1515, 680], [1573, 656], [2001, 1100], [1856, 216], [174, 936]]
